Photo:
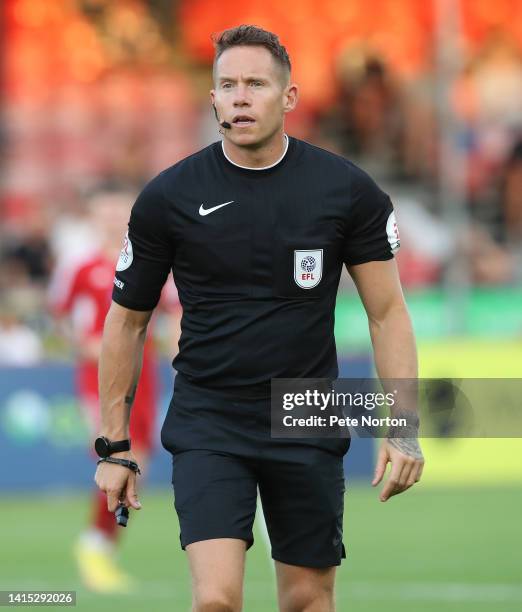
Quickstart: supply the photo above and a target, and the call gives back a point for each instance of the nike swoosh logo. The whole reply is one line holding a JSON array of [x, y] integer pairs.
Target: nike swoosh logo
[[207, 211]]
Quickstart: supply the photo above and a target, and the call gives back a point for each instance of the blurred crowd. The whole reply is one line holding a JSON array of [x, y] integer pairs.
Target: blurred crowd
[[132, 98]]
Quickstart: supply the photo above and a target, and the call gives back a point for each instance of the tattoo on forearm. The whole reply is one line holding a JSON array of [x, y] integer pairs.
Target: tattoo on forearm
[[408, 446], [129, 399], [404, 438], [409, 427]]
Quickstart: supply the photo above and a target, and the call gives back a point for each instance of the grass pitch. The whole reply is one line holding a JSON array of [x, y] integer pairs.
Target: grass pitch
[[457, 549]]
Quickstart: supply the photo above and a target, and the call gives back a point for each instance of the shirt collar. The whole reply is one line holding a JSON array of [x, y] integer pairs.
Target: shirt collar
[[264, 167]]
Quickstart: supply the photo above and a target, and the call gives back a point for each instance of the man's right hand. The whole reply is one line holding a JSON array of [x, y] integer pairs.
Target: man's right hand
[[118, 482]]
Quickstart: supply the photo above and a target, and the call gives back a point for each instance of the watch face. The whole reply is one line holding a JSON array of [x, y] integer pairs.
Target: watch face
[[101, 446]]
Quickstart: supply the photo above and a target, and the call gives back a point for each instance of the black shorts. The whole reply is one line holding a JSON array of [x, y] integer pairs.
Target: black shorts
[[223, 453]]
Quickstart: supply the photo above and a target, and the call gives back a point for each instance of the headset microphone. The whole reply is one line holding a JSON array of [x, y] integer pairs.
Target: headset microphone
[[224, 124]]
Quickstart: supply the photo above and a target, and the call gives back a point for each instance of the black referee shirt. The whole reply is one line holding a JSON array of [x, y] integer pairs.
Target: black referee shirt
[[256, 257]]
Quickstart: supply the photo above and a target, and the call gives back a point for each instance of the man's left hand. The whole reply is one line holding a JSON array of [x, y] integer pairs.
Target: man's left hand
[[407, 461]]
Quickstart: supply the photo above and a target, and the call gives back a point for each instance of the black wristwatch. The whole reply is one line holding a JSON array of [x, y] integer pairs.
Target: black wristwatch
[[105, 447]]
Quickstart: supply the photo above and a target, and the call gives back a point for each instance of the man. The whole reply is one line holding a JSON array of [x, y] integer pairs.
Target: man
[[231, 221], [81, 296]]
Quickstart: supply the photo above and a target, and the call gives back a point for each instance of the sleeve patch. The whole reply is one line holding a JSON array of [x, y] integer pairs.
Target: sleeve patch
[[392, 231], [125, 258]]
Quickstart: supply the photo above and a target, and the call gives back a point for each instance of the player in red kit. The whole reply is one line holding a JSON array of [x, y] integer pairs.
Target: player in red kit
[[83, 295]]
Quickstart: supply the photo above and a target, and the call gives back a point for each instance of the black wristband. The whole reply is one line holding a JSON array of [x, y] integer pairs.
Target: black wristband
[[131, 465]]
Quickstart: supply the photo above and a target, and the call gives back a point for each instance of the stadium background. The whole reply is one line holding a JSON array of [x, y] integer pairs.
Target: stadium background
[[427, 97]]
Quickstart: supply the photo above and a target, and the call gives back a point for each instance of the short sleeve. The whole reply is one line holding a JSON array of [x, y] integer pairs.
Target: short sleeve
[[147, 253], [372, 233]]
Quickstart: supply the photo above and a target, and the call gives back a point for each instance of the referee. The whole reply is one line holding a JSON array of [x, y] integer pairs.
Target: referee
[[256, 229]]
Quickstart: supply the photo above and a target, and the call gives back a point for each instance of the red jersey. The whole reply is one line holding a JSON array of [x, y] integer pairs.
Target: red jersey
[[84, 294]]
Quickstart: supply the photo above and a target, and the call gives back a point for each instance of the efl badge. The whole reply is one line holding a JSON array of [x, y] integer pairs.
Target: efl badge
[[125, 258], [308, 268], [393, 233]]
